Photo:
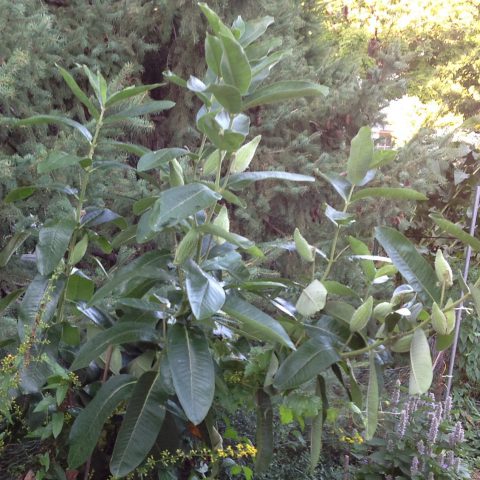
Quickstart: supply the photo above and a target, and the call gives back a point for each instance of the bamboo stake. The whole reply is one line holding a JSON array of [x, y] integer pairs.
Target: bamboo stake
[[466, 270]]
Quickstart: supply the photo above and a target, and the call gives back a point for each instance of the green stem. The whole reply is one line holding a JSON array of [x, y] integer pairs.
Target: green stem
[[332, 259], [84, 179]]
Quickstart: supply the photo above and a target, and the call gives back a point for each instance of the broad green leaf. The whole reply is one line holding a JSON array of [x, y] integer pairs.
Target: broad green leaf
[[475, 292], [204, 292], [254, 29], [140, 110], [414, 268], [20, 193], [78, 92], [337, 217], [395, 193], [261, 70], [57, 423], [335, 288], [224, 134], [316, 431], [99, 216], [234, 65], [141, 424], [228, 96], [132, 148], [70, 334], [124, 332], [52, 244], [102, 85], [212, 162], [382, 157], [159, 158], [192, 370], [230, 237], [79, 250], [79, 287], [47, 119], [144, 231], [143, 204], [284, 90], [312, 357], [7, 300], [421, 370], [359, 248], [130, 92], [244, 155], [456, 231], [361, 155], [239, 181], [312, 299], [372, 400], [35, 301], [264, 433], [124, 237], [442, 342], [56, 160], [213, 53], [178, 203], [255, 322], [258, 51], [12, 246], [216, 24], [94, 81], [175, 79], [87, 427], [340, 184]]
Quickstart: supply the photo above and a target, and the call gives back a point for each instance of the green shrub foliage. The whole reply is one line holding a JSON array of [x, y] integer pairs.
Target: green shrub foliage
[[142, 328]]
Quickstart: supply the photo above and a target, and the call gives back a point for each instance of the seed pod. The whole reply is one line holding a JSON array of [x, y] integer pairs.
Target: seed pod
[[450, 316], [221, 220], [443, 270], [361, 316], [186, 248], [304, 249], [402, 345], [176, 173], [382, 310], [439, 321]]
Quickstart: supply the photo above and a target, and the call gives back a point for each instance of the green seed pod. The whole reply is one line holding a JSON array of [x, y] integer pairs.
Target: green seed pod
[[221, 220], [439, 321], [186, 248], [443, 270], [361, 316], [176, 173], [382, 310], [304, 249], [450, 316], [402, 345]]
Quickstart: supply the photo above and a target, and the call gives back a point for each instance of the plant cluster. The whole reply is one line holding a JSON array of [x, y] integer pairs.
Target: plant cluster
[[418, 438], [131, 363]]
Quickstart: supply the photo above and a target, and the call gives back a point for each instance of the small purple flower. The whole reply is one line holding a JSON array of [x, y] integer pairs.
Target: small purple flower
[[396, 393], [433, 432], [457, 436], [441, 460], [450, 462], [421, 447], [414, 466], [402, 424]]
